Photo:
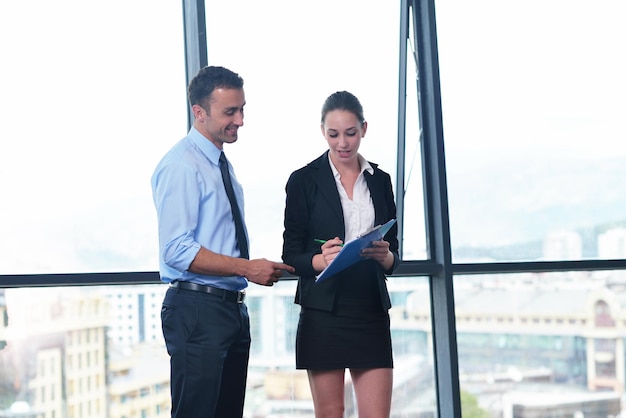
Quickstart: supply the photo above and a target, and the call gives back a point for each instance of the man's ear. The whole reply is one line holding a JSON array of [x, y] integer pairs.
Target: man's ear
[[198, 111]]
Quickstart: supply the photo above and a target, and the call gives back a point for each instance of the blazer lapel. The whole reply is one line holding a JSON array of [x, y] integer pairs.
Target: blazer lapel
[[327, 187], [377, 193]]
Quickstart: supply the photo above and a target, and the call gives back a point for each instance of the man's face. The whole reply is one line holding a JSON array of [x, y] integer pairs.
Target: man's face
[[221, 121]]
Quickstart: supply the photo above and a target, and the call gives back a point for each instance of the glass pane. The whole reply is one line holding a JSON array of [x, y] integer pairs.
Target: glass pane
[[541, 344], [92, 96], [533, 108], [104, 345], [414, 238], [290, 65], [83, 351], [414, 392]]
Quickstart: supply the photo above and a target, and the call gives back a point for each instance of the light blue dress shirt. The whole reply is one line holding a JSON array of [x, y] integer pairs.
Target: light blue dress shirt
[[193, 210]]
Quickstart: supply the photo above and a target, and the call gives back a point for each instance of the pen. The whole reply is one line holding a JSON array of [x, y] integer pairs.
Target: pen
[[322, 241]]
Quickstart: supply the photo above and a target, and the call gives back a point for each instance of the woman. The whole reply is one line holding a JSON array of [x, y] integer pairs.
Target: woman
[[344, 320]]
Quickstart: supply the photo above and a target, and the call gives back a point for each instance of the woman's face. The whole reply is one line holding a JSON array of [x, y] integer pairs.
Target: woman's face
[[343, 132]]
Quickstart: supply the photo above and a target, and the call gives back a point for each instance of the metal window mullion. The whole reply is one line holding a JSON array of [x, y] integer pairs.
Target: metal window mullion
[[194, 25], [401, 146], [436, 209]]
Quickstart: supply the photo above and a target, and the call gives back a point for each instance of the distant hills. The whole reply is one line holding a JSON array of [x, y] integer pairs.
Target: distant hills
[[505, 205]]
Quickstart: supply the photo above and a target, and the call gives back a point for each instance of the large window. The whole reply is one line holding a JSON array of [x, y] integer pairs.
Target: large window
[[93, 93], [290, 65], [104, 89], [532, 102]]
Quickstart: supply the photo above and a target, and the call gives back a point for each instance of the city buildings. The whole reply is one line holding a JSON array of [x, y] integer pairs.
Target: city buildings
[[98, 351]]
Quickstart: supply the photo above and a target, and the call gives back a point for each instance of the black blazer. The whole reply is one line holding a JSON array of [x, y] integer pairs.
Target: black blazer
[[313, 210]]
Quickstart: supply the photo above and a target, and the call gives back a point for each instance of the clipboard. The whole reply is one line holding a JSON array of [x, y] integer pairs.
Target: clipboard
[[351, 251]]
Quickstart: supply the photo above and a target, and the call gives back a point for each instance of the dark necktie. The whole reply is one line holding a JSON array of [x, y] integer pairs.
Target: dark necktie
[[242, 242]]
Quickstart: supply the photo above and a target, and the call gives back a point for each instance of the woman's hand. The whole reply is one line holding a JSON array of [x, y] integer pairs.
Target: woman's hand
[[379, 251], [330, 249]]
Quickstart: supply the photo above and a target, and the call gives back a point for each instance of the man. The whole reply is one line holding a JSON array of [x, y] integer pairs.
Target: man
[[204, 255]]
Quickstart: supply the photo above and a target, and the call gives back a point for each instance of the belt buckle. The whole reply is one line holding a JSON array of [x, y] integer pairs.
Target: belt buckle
[[240, 297]]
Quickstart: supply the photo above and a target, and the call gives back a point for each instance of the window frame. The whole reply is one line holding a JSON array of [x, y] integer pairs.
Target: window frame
[[438, 266]]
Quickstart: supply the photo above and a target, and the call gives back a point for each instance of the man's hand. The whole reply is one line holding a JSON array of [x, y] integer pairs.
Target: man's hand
[[265, 272]]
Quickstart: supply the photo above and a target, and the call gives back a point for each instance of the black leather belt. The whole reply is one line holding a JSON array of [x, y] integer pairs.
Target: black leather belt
[[229, 295]]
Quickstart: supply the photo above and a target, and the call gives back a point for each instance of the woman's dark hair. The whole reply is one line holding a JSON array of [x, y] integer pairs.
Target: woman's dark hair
[[207, 80], [343, 100]]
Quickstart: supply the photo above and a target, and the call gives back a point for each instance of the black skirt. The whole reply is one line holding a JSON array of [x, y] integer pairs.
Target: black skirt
[[355, 334]]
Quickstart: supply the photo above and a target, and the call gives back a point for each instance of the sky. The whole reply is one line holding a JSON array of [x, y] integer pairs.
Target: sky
[[93, 94]]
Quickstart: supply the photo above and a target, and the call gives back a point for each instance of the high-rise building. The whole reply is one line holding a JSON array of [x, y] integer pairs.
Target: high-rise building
[[135, 314]]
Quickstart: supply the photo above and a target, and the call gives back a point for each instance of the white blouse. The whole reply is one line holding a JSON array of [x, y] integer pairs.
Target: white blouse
[[358, 213]]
